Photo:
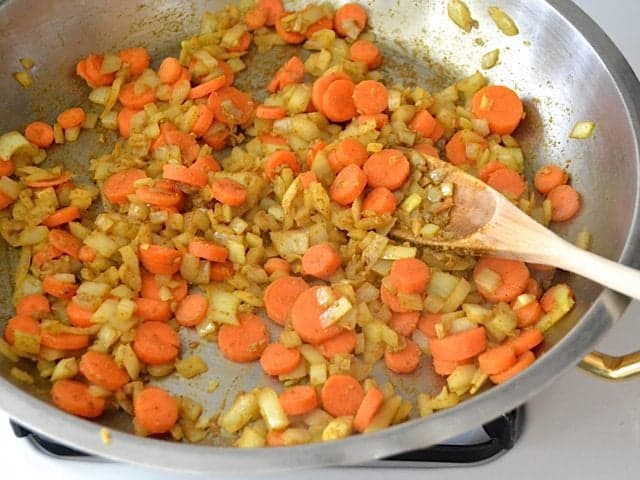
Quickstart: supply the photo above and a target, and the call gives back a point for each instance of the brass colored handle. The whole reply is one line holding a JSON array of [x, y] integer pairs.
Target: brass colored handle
[[611, 367]]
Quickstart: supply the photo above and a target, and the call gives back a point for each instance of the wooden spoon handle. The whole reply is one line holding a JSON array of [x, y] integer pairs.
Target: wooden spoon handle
[[615, 276]]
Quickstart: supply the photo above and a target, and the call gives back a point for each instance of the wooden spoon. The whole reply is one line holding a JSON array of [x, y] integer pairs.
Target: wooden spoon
[[483, 221]]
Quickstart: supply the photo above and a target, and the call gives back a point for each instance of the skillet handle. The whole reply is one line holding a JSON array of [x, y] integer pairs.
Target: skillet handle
[[611, 367]]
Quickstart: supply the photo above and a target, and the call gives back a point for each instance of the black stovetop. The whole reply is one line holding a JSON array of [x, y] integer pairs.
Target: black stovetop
[[498, 436]]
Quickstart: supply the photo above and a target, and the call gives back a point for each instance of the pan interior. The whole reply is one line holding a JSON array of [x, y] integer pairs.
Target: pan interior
[[422, 47]]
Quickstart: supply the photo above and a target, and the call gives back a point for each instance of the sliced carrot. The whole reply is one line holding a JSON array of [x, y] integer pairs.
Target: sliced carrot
[[370, 97], [500, 106], [404, 323], [119, 186], [565, 203], [189, 176], [7, 167], [533, 288], [291, 72], [137, 58], [321, 261], [548, 301], [208, 87], [52, 182], [348, 185], [65, 242], [391, 300], [217, 137], [61, 216], [370, 405], [188, 144], [298, 400], [170, 70], [192, 310], [255, 18], [305, 318], [524, 360], [159, 197], [380, 120], [160, 260], [388, 168], [366, 52], [459, 346], [63, 341], [349, 20], [273, 9], [269, 139], [89, 70], [549, 177], [342, 344], [276, 359], [229, 192], [151, 289], [136, 101], [497, 359], [489, 168], [268, 112], [40, 134], [424, 123], [21, 323], [33, 305], [529, 314], [380, 200], [527, 340], [221, 271], [276, 264], [278, 160], [155, 410], [320, 86], [341, 395], [307, 179], [244, 342], [280, 296], [338, 101], [75, 398], [204, 121], [507, 182], [444, 367], [325, 23], [514, 277], [427, 323], [242, 44], [78, 316], [5, 200], [275, 438], [46, 254], [405, 360], [456, 149], [156, 343], [208, 250], [288, 35], [410, 275], [72, 117], [205, 164], [231, 106], [349, 151], [102, 370], [150, 309], [124, 121]]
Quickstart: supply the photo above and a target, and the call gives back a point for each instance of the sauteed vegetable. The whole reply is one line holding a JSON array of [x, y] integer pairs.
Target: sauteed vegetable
[[264, 225]]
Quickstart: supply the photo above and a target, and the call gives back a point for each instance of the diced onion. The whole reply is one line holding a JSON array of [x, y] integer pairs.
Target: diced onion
[[503, 21], [582, 130], [460, 15], [490, 59]]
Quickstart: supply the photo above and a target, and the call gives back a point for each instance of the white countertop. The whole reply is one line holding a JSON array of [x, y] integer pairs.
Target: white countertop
[[580, 427]]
